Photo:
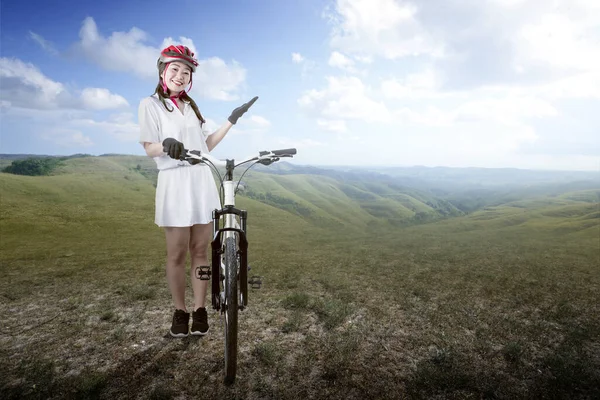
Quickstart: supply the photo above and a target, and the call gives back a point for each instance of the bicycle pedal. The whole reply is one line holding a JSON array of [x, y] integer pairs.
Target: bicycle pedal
[[255, 282], [203, 273]]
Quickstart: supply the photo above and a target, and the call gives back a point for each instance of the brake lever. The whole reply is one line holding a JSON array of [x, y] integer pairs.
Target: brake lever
[[186, 157]]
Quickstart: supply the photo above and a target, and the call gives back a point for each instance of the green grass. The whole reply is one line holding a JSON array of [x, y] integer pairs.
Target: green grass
[[500, 303]]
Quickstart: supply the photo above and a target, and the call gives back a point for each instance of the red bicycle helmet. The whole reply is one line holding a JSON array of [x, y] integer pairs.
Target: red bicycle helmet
[[178, 53]]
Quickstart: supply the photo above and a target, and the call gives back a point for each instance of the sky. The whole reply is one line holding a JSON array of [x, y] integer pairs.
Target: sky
[[457, 83]]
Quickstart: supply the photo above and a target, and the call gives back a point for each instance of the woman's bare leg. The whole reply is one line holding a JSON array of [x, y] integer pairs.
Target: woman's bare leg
[[177, 247], [199, 240]]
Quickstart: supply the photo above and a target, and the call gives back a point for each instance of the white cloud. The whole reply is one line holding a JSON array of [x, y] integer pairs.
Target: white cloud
[[25, 86], [338, 60], [508, 3], [386, 28], [497, 40], [332, 125], [259, 121], [297, 58], [479, 140], [431, 116], [292, 143], [344, 98], [79, 139], [126, 52], [121, 118], [102, 99], [364, 59], [120, 126], [417, 85], [588, 5], [251, 124], [558, 41], [66, 138], [308, 66], [537, 36], [46, 45], [493, 105], [214, 79], [122, 51], [585, 85], [506, 108], [480, 126]]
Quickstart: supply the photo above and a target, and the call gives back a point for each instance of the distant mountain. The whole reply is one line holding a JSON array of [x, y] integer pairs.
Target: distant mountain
[[389, 195], [24, 156], [444, 176], [467, 189]]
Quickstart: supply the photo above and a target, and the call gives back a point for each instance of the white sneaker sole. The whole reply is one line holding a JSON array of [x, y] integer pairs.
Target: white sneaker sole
[[198, 333]]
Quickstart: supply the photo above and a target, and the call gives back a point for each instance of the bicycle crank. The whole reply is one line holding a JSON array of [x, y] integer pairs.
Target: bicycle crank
[[203, 273], [255, 282]]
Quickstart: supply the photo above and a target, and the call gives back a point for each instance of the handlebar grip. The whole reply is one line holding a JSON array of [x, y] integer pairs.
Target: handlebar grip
[[283, 152], [185, 154]]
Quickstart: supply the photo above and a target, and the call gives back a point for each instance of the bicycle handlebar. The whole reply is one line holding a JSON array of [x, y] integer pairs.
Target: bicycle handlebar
[[264, 157], [268, 155]]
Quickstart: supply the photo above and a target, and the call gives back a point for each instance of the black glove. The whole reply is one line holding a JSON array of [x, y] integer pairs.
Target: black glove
[[238, 112], [174, 148]]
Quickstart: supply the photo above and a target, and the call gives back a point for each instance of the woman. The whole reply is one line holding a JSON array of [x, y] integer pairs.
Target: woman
[[186, 194]]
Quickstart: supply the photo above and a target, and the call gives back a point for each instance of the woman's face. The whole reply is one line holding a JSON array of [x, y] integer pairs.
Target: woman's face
[[177, 77]]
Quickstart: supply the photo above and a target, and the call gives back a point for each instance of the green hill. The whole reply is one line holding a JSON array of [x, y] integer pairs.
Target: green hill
[[88, 196], [88, 201], [326, 201]]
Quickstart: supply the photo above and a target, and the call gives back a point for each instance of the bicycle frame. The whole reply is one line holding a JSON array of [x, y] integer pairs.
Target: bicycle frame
[[231, 226]]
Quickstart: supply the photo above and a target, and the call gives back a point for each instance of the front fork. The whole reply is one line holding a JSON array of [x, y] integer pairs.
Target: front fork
[[219, 234]]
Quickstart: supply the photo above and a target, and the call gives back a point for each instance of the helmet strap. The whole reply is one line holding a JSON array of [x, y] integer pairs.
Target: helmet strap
[[190, 88], [164, 80]]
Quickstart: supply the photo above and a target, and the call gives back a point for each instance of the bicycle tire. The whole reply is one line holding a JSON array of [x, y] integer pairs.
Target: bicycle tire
[[231, 309]]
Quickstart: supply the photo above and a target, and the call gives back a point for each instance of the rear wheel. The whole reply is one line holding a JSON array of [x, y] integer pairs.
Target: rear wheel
[[231, 309]]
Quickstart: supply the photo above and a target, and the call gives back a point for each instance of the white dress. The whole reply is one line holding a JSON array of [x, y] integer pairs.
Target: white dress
[[185, 194]]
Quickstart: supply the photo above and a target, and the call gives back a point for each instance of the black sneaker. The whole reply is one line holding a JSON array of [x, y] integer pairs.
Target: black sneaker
[[199, 322], [179, 327]]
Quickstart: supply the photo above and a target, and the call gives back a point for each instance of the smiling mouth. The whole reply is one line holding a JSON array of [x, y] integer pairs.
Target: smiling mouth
[[177, 83]]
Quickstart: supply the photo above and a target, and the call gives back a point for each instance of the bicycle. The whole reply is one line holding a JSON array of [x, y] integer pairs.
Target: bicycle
[[229, 264]]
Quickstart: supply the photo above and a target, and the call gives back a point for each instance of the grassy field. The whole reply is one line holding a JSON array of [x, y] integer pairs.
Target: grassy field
[[501, 303]]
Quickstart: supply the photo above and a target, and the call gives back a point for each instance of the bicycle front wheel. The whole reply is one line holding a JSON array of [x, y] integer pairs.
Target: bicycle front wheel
[[231, 309]]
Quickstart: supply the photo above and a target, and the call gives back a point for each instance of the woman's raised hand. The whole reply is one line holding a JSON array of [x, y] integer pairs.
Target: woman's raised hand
[[238, 112]]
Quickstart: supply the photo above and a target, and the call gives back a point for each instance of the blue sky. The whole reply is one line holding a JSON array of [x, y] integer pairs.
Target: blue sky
[[496, 83]]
